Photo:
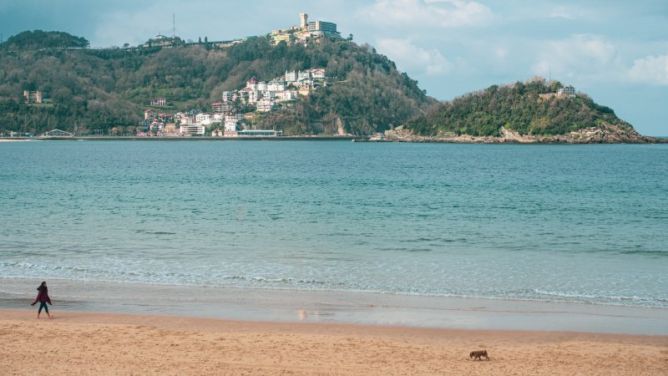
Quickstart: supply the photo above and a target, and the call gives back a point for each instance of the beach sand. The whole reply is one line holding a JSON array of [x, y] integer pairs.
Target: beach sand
[[96, 343]]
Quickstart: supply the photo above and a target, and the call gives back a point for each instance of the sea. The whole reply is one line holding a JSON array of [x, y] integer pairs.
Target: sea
[[566, 223]]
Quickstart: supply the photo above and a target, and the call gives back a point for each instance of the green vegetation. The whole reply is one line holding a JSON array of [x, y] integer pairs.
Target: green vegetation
[[517, 107], [38, 39], [95, 90]]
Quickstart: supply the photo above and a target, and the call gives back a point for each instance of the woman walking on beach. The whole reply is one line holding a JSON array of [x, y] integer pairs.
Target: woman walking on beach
[[42, 298]]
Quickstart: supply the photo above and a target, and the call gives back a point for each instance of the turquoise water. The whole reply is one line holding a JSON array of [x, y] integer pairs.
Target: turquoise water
[[547, 222]]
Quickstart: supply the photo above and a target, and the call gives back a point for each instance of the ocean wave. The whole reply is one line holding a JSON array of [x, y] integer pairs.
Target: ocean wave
[[205, 275], [594, 298], [404, 249], [155, 232], [645, 253]]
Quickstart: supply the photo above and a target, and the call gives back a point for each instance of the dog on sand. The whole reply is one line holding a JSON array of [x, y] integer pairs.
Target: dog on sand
[[478, 355]]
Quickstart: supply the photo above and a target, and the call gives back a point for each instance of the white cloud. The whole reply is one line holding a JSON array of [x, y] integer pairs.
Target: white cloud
[[650, 69], [561, 12], [413, 58], [430, 13], [580, 56]]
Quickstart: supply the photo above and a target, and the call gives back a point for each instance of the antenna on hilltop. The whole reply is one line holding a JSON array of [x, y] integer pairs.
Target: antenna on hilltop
[[173, 25]]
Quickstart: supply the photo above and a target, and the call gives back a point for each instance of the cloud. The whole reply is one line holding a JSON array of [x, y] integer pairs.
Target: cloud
[[579, 56], [651, 70], [430, 13], [561, 12], [414, 58]]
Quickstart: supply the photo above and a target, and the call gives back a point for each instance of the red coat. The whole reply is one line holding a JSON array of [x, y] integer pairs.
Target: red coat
[[42, 296]]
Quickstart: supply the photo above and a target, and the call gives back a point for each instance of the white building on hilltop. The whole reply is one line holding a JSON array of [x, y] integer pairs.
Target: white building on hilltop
[[305, 31], [566, 91]]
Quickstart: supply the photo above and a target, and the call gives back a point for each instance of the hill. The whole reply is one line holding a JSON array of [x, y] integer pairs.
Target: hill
[[38, 39], [93, 90], [532, 111]]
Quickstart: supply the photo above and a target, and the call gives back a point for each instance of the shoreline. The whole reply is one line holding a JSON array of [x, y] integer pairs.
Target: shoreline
[[102, 343], [463, 140], [338, 307]]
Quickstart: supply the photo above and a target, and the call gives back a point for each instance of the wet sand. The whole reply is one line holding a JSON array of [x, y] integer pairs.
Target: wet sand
[[314, 306], [104, 344]]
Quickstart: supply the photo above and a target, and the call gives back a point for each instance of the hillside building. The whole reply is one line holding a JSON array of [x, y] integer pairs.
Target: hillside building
[[203, 119], [33, 97], [217, 107], [231, 123], [158, 102], [162, 41], [228, 96], [323, 28], [264, 105], [303, 20], [566, 91], [291, 76]]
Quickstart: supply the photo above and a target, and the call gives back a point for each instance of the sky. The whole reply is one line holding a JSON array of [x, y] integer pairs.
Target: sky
[[615, 51]]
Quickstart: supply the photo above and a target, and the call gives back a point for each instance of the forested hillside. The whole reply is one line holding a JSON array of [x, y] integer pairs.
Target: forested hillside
[[97, 89], [530, 108]]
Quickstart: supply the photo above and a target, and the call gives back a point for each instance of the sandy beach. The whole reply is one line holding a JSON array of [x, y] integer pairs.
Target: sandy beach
[[98, 343]]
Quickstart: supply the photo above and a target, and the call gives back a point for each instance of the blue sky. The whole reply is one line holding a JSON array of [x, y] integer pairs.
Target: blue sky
[[616, 51]]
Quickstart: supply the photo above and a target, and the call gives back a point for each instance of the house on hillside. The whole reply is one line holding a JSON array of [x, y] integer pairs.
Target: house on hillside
[[203, 119], [158, 102], [264, 105], [290, 76], [217, 107], [33, 97], [318, 73]]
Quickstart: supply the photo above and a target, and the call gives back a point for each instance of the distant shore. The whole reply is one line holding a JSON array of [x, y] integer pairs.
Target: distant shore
[[433, 140], [103, 343], [206, 138]]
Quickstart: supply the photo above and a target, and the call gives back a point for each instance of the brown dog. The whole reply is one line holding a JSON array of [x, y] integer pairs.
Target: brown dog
[[478, 355]]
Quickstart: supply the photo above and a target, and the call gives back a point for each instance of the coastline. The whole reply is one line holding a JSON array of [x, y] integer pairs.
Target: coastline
[[203, 138], [605, 134], [576, 138], [338, 307], [102, 343]]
